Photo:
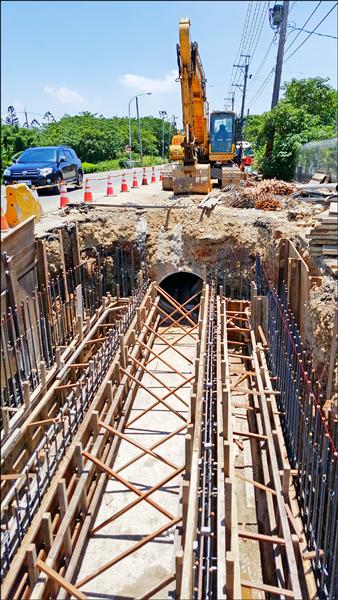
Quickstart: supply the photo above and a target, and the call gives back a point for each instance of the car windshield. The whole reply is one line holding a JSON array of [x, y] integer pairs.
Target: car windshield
[[38, 155]]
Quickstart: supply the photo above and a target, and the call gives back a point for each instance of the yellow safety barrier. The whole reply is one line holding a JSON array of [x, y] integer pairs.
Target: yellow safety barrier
[[22, 203]]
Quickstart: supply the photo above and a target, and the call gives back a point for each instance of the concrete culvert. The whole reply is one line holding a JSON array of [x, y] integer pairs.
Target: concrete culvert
[[184, 287]]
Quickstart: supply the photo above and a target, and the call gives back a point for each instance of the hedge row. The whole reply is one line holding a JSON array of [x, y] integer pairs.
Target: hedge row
[[111, 165]]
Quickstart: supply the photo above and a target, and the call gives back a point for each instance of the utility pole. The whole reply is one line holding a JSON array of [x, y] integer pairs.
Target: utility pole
[[245, 69], [163, 114], [139, 131], [26, 121], [280, 53], [138, 127], [171, 125], [228, 100]]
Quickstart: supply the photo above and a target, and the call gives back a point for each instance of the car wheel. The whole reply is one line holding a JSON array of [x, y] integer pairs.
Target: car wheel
[[57, 188], [79, 181]]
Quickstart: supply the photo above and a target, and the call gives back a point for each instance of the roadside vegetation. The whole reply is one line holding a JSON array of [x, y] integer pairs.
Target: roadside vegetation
[[307, 112], [98, 141]]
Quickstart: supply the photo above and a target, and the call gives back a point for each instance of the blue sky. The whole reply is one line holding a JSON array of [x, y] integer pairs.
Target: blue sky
[[70, 56]]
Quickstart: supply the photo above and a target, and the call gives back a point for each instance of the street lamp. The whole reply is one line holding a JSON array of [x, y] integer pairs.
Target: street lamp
[[138, 125], [172, 124], [163, 114]]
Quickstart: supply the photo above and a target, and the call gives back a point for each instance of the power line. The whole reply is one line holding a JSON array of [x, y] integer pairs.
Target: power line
[[306, 22], [312, 32], [259, 69], [260, 90], [309, 73], [256, 29], [260, 31], [245, 26], [264, 59], [307, 31], [292, 6], [251, 34], [252, 30], [245, 29]]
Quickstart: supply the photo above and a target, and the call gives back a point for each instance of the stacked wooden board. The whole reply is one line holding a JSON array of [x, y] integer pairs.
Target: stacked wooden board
[[323, 238]]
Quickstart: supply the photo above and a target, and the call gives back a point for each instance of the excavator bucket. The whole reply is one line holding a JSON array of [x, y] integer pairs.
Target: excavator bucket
[[167, 178], [191, 180]]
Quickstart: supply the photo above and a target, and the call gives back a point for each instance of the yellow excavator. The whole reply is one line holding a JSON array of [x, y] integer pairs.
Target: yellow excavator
[[201, 154]]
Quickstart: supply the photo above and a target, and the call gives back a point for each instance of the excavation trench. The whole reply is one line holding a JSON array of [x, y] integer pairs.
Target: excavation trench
[[222, 245], [182, 254]]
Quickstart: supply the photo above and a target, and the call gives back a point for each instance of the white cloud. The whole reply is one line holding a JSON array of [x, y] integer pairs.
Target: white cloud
[[149, 84], [64, 95]]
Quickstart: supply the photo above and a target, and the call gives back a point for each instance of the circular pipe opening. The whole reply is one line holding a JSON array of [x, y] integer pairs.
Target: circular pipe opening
[[185, 288]]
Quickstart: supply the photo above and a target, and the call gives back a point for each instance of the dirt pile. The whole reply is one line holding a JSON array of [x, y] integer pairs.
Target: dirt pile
[[277, 187], [251, 197]]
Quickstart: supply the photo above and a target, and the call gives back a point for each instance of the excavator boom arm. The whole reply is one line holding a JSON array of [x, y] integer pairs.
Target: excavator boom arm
[[193, 94], [199, 154]]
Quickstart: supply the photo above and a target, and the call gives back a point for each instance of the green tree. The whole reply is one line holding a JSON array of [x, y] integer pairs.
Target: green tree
[[305, 113], [16, 139], [316, 95], [94, 138]]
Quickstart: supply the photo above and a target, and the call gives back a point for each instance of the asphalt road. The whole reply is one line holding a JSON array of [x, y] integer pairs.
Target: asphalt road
[[98, 184]]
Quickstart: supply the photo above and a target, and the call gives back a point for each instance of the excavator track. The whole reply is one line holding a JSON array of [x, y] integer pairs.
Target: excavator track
[[231, 176]]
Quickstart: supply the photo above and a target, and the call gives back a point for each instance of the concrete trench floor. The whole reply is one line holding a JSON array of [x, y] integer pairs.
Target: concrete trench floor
[[141, 571]]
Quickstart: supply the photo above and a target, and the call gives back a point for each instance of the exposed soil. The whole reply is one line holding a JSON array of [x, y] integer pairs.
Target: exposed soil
[[190, 239], [319, 324]]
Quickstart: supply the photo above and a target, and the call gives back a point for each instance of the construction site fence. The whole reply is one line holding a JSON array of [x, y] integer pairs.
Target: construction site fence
[[34, 330], [317, 156], [310, 434], [21, 504]]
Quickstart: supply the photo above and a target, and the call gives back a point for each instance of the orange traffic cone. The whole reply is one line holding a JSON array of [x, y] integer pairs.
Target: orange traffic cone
[[153, 176], [124, 185], [64, 200], [161, 175], [110, 191], [88, 196], [135, 183], [4, 222], [144, 177]]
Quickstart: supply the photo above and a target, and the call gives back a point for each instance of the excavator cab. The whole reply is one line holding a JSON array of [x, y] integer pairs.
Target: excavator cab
[[222, 148], [222, 136]]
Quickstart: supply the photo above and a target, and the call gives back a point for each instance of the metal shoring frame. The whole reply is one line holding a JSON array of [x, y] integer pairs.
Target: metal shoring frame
[[145, 496], [77, 407]]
